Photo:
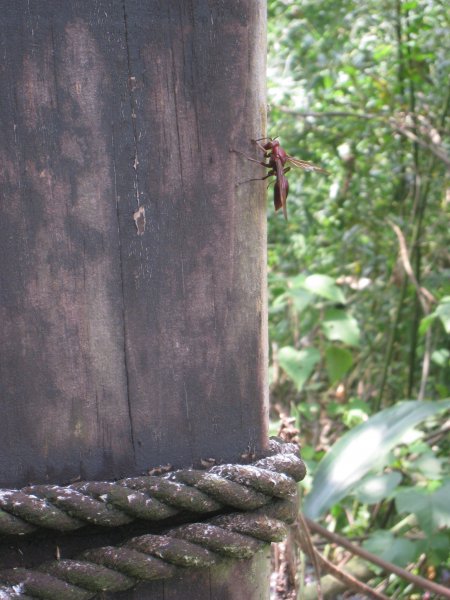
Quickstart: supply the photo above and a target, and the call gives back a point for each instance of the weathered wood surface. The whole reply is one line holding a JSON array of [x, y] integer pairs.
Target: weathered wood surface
[[132, 272]]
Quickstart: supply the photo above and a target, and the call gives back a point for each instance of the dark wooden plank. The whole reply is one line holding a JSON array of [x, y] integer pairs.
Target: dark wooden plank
[[234, 580], [194, 316], [132, 279], [62, 369]]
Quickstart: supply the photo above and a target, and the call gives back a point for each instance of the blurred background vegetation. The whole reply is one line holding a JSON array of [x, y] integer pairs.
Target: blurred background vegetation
[[359, 276]]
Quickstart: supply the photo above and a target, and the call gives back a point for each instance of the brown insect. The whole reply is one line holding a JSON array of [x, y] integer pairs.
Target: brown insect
[[276, 158]]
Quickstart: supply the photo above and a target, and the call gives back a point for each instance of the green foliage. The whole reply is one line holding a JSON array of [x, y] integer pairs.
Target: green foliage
[[361, 450], [429, 506], [351, 86], [338, 362], [298, 364], [363, 90], [442, 313], [375, 488], [391, 548], [314, 297]]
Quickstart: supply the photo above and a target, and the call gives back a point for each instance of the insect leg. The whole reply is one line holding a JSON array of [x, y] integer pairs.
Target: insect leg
[[264, 138], [257, 178], [261, 147], [260, 162]]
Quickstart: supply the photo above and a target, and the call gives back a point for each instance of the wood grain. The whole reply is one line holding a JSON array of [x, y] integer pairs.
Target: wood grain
[[132, 280]]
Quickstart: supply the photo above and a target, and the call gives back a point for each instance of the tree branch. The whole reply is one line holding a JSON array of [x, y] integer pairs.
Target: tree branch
[[350, 581], [387, 120], [425, 297], [420, 582]]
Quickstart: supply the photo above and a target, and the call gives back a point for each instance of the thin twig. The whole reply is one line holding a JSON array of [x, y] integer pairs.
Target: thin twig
[[434, 436], [304, 539], [387, 120], [350, 581], [390, 345], [418, 581], [425, 297], [425, 365], [438, 152]]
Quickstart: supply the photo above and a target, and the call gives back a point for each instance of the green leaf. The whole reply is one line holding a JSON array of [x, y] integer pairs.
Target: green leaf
[[298, 364], [431, 508], [437, 551], [441, 357], [375, 488], [392, 549], [340, 326], [354, 412], [297, 281], [382, 51], [443, 312], [309, 410], [408, 5], [440, 542], [338, 362], [363, 449], [300, 298], [426, 323], [430, 465], [325, 287]]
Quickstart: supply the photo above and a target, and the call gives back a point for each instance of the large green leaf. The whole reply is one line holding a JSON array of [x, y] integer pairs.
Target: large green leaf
[[362, 450], [443, 312], [430, 507], [340, 326], [298, 364], [324, 286], [376, 487], [393, 549], [338, 362], [300, 298]]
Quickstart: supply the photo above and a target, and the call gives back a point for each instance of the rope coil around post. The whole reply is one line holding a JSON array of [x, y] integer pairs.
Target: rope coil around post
[[265, 492], [153, 498]]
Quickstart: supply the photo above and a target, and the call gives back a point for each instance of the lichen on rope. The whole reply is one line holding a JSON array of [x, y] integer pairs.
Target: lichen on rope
[[264, 493]]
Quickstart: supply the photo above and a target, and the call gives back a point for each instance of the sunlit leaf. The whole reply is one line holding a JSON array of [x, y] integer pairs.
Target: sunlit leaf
[[376, 487], [441, 357], [300, 298], [362, 450], [340, 326], [298, 364], [354, 412], [382, 51], [338, 362], [325, 287], [408, 5], [430, 465], [426, 323], [443, 312], [296, 281]]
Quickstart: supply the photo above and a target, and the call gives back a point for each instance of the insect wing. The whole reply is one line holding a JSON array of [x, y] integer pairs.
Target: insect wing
[[279, 168], [305, 165], [280, 194]]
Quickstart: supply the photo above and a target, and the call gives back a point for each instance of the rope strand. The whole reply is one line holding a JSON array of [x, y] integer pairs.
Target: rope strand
[[265, 492]]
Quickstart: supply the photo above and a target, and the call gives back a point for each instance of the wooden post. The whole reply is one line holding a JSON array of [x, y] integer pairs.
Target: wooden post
[[132, 272]]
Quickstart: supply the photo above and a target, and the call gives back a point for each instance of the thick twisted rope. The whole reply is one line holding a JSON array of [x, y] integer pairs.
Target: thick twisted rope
[[265, 489], [150, 557], [111, 504]]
